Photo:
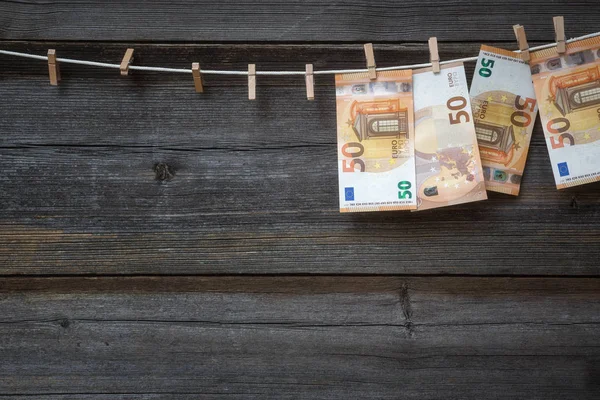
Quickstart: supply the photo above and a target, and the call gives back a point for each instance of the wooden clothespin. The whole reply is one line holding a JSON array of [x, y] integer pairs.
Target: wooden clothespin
[[127, 60], [371, 66], [310, 82], [53, 68], [559, 29], [251, 81], [522, 40], [197, 78], [434, 56]]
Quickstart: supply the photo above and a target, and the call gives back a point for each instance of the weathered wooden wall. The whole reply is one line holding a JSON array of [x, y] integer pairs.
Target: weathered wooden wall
[[302, 337], [251, 194]]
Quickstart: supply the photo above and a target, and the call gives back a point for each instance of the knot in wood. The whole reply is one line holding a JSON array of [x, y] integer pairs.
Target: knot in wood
[[574, 203], [163, 172]]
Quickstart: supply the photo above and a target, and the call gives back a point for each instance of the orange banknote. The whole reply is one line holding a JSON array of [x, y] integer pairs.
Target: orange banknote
[[504, 109], [375, 136], [448, 164], [568, 90]]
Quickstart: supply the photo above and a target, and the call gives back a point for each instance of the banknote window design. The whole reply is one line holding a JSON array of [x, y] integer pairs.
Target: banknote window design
[[379, 119], [587, 96], [570, 60], [576, 91], [488, 135], [385, 125], [496, 142], [553, 64], [580, 58], [575, 59], [359, 89]]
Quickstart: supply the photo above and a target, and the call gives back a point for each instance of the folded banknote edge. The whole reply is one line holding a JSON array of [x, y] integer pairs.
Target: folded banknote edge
[[578, 182]]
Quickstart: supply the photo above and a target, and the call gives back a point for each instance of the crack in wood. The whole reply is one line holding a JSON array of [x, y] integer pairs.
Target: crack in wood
[[407, 312]]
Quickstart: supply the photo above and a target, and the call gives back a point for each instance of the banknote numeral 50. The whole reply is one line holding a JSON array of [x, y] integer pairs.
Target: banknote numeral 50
[[560, 125], [515, 118], [452, 105], [403, 192], [484, 70], [359, 149]]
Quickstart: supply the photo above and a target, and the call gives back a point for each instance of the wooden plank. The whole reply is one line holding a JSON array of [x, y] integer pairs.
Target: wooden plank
[[101, 210], [217, 184], [315, 337], [288, 21]]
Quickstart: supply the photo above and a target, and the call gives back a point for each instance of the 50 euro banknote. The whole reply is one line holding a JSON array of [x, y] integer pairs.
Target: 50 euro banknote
[[375, 137], [568, 89], [447, 158], [504, 110]]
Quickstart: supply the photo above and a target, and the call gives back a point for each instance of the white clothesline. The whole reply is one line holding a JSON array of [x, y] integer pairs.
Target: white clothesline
[[225, 72]]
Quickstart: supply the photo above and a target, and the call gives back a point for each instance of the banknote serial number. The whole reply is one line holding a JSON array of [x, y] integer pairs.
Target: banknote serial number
[[586, 176]]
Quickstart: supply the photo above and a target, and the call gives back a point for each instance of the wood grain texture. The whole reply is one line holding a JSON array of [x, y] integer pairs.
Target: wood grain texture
[[291, 21], [141, 175], [292, 337]]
